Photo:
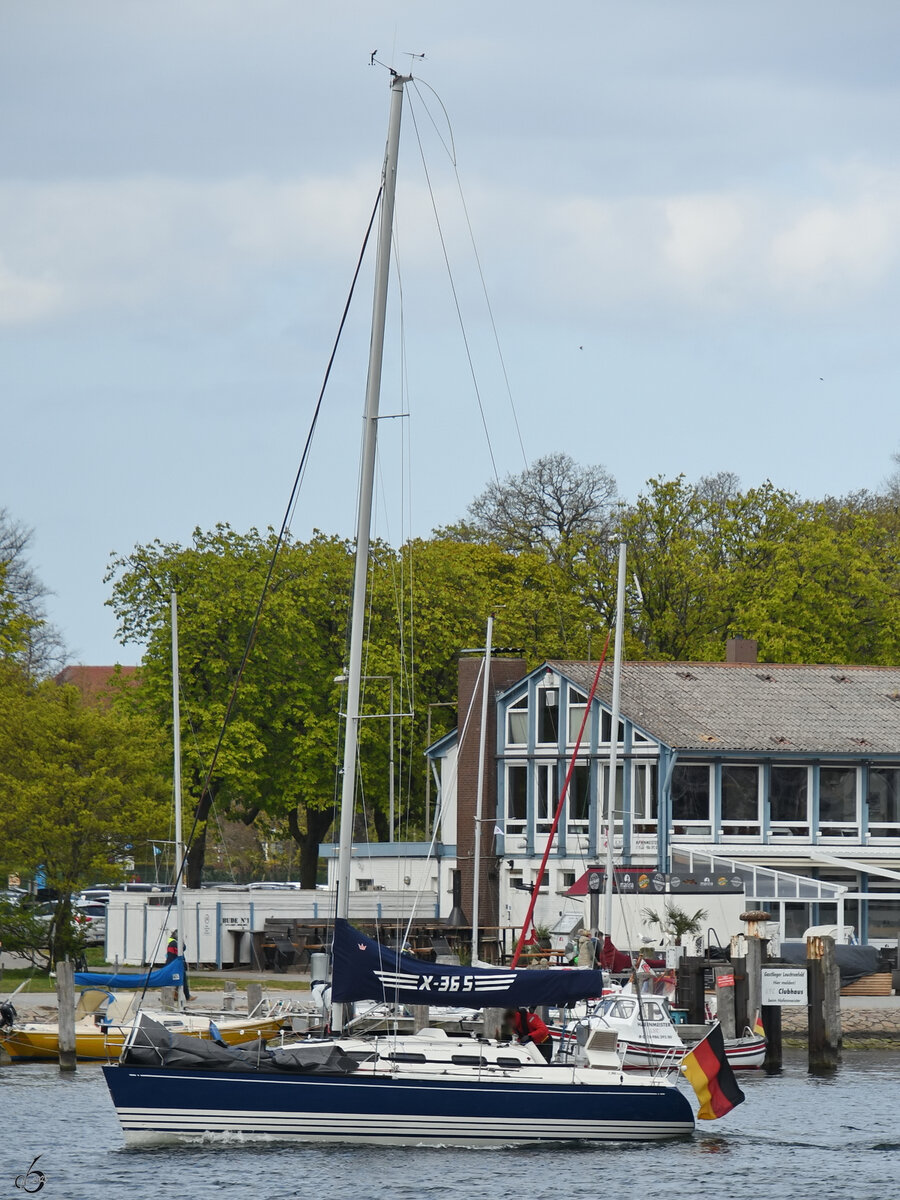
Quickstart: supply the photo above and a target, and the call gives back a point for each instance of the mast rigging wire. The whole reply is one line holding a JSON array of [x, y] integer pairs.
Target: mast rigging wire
[[279, 541]]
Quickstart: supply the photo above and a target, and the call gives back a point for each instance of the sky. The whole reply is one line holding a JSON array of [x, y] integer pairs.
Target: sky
[[685, 216]]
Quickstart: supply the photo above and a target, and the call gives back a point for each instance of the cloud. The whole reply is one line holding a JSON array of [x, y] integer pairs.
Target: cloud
[[25, 300], [156, 243]]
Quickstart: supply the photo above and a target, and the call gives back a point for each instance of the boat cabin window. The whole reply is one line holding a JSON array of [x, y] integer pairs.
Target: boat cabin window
[[468, 1060], [503, 1060], [623, 1009], [651, 1010], [406, 1057]]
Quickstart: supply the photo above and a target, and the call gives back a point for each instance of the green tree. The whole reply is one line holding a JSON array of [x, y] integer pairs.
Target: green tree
[[277, 754], [26, 635], [79, 788]]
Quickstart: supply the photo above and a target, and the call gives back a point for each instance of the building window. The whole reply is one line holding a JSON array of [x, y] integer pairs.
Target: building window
[[566, 880], [580, 798], [691, 794], [516, 796], [545, 796], [618, 805], [740, 800], [517, 723], [606, 728], [548, 715], [884, 801], [837, 801], [789, 801], [644, 804], [884, 914], [577, 706]]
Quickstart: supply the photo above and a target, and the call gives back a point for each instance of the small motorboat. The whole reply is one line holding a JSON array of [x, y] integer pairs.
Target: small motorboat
[[650, 1040]]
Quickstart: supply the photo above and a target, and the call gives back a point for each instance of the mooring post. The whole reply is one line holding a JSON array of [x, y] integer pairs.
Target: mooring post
[[229, 995], [831, 1000], [725, 998], [254, 998], [689, 989], [740, 989], [756, 941], [420, 1017], [823, 1052], [65, 1000]]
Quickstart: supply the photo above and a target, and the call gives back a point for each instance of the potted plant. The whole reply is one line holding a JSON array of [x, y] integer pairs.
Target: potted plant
[[675, 922]]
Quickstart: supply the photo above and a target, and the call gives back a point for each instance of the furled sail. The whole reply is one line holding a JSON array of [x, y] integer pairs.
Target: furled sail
[[366, 970], [171, 975]]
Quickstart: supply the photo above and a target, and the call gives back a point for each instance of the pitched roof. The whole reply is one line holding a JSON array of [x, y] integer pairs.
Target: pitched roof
[[94, 682], [756, 706]]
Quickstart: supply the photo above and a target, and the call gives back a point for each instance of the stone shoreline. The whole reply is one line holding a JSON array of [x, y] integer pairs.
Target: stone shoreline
[[878, 1025]]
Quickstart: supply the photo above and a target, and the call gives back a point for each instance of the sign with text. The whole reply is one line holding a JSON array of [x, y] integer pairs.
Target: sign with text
[[784, 985]]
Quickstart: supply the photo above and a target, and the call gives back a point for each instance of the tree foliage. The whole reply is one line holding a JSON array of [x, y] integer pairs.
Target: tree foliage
[[811, 581], [26, 635], [80, 786], [544, 508]]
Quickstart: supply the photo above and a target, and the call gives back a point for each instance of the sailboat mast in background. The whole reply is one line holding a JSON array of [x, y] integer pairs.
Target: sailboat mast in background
[[614, 742], [176, 778]]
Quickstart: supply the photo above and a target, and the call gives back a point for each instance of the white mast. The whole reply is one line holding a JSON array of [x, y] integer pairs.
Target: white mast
[[176, 775], [614, 741], [364, 511], [479, 794]]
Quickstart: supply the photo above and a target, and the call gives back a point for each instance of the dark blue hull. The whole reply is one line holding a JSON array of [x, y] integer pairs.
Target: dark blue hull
[[159, 1104]]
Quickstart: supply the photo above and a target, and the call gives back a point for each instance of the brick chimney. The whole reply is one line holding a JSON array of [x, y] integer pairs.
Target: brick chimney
[[741, 650], [504, 673]]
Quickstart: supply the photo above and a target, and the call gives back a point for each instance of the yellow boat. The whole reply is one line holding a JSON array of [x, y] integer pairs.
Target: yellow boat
[[103, 1021]]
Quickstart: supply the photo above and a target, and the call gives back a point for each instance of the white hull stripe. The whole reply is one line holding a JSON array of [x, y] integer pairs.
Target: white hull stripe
[[392, 1126]]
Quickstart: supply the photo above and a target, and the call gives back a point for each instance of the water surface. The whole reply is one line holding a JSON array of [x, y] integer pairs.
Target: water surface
[[834, 1137]]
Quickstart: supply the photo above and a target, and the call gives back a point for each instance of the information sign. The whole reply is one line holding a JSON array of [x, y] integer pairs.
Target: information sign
[[784, 985]]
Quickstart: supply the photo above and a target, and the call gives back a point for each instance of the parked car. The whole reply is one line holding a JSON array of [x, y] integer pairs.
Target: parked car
[[91, 918]]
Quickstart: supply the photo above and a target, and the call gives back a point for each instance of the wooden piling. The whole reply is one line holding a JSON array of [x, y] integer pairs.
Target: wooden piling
[[420, 1017], [755, 947], [229, 995], [824, 1050], [689, 989], [725, 998], [65, 999], [741, 1019], [254, 998], [831, 1000], [771, 1019]]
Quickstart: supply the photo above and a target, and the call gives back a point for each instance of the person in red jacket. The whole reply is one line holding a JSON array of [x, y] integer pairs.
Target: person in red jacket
[[528, 1027]]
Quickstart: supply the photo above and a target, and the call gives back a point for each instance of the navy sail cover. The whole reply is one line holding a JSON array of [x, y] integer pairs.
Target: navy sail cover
[[170, 975], [366, 970]]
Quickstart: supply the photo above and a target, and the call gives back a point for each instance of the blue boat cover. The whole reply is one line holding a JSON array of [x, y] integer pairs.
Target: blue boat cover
[[366, 970], [171, 975]]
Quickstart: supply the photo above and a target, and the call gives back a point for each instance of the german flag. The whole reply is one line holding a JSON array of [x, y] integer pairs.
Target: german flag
[[711, 1077], [758, 1027]]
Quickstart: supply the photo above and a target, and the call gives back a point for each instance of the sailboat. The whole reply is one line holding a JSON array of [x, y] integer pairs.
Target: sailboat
[[424, 1089]]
